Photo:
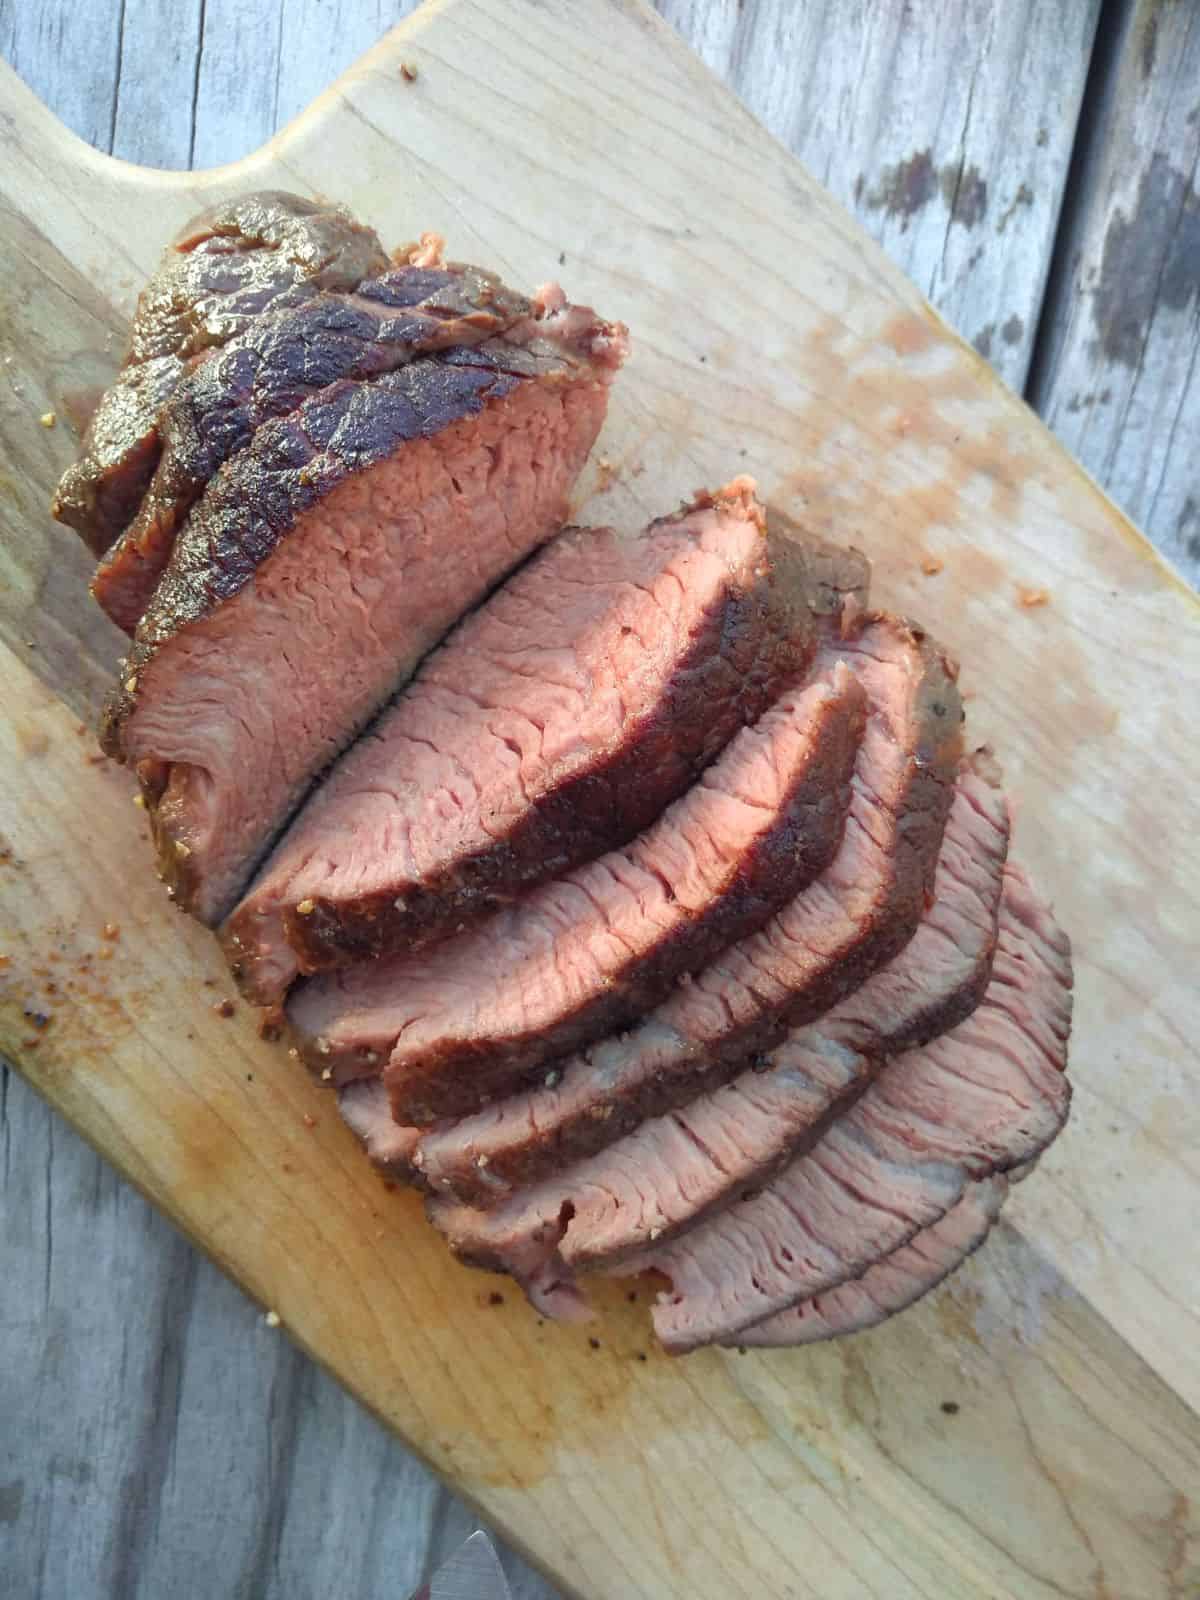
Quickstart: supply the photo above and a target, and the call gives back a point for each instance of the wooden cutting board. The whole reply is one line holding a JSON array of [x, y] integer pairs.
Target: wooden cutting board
[[1031, 1430]]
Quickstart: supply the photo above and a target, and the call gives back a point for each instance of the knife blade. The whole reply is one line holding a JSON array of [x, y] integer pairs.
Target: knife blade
[[473, 1572]]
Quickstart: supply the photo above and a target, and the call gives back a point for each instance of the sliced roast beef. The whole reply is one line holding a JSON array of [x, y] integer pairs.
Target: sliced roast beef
[[984, 1098], [283, 357], [858, 915], [591, 950], [894, 1283], [673, 1171], [223, 269], [322, 562], [554, 724]]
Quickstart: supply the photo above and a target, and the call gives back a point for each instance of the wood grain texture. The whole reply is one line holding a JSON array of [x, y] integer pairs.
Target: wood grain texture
[[1118, 381], [738, 1470], [949, 141]]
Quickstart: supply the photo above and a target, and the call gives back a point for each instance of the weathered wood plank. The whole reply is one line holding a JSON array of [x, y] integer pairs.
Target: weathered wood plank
[[153, 1425], [1118, 380], [947, 131]]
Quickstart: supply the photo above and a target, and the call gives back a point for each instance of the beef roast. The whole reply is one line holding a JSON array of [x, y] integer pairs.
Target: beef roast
[[222, 270], [988, 1096], [591, 950], [283, 357], [322, 562], [859, 914], [554, 724], [674, 1170], [894, 1283]]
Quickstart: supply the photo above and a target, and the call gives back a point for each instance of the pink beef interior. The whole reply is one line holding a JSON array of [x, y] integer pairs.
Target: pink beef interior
[[571, 668], [251, 701], [591, 949]]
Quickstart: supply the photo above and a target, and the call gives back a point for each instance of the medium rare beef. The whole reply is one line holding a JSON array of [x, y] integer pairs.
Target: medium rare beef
[[284, 356], [555, 723], [984, 1098], [591, 950], [673, 1171], [857, 916], [322, 562], [220, 272], [894, 1283]]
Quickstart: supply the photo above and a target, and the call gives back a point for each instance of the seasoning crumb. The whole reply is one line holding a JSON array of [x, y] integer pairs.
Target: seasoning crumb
[[294, 1053], [408, 72], [111, 931], [1032, 597], [594, 1342], [642, 1356], [48, 419], [131, 683], [327, 1074], [950, 1408], [270, 1026], [632, 1297], [272, 1319], [931, 566], [655, 1233], [224, 1008], [309, 1120], [495, 1298], [305, 908], [183, 851], [139, 800]]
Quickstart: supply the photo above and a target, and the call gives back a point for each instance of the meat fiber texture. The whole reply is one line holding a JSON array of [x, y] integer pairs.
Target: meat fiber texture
[[589, 951], [285, 355], [322, 562], [673, 1171], [819, 947], [985, 1098], [897, 1281], [554, 724], [221, 272]]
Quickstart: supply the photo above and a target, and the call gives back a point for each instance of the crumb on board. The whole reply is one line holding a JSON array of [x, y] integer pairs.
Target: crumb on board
[[408, 71], [326, 1074], [950, 1407], [309, 1120], [272, 1319], [495, 1298], [931, 566], [1029, 598], [48, 419], [606, 471], [224, 1008], [594, 1342], [111, 931], [139, 800]]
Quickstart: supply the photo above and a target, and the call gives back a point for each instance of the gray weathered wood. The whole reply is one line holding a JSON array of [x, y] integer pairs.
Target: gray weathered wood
[[1117, 378], [946, 129], [156, 1436]]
